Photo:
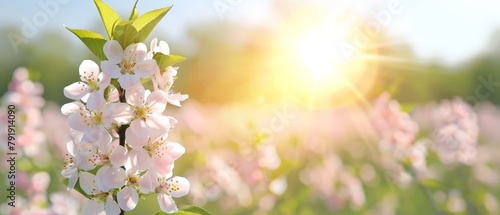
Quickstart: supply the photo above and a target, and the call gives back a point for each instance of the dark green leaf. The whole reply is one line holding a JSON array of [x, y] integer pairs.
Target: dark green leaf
[[165, 61], [94, 41], [108, 15], [146, 23]]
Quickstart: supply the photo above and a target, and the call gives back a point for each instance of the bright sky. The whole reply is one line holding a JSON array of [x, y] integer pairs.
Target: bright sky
[[449, 30]]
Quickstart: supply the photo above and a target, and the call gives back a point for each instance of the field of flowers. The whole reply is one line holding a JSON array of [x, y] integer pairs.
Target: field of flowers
[[284, 159]]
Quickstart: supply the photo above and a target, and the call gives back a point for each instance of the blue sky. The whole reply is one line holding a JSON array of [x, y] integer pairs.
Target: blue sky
[[449, 30]]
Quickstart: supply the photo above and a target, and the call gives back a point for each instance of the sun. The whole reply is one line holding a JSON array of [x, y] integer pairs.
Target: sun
[[315, 54], [309, 67]]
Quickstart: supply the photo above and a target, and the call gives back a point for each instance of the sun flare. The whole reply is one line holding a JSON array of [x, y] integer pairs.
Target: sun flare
[[310, 68]]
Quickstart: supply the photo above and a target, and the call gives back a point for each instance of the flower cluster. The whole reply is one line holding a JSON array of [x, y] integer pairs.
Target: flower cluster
[[25, 95], [397, 129], [118, 147], [36, 201], [457, 132], [33, 148]]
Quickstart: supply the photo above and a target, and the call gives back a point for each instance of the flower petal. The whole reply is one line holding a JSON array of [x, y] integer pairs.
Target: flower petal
[[76, 90], [158, 125], [93, 134], [104, 80], [95, 100], [72, 175], [115, 177], [111, 69], [70, 108], [104, 141], [135, 52], [139, 129], [111, 206], [162, 168], [163, 47], [120, 113], [167, 204], [88, 70], [127, 198], [135, 95], [109, 177], [153, 44], [148, 183], [118, 156], [127, 81], [113, 51], [87, 183], [134, 141], [75, 121], [93, 207], [176, 99], [174, 150], [157, 101], [179, 186], [146, 68], [139, 159]]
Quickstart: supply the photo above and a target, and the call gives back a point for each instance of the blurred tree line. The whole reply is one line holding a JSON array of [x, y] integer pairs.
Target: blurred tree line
[[230, 61]]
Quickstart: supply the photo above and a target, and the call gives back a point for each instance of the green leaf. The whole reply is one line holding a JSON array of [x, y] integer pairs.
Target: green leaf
[[408, 107], [134, 14], [432, 183], [194, 209], [165, 61], [125, 33], [176, 213], [146, 23], [77, 187], [108, 15], [94, 41], [187, 210]]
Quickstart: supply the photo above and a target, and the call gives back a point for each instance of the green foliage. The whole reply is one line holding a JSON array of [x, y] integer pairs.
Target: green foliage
[[137, 29], [432, 184], [94, 41], [108, 15], [147, 22], [187, 210], [125, 33], [134, 14], [165, 61]]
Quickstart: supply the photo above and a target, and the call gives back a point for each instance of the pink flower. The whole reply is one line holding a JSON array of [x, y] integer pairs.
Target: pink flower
[[129, 65], [145, 112], [101, 201], [172, 187], [163, 47], [155, 48], [164, 81], [24, 93], [91, 88], [164, 153], [91, 122], [396, 127], [457, 132]]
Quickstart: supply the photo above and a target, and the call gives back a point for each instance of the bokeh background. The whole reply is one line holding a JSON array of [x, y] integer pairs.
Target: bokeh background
[[280, 93]]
